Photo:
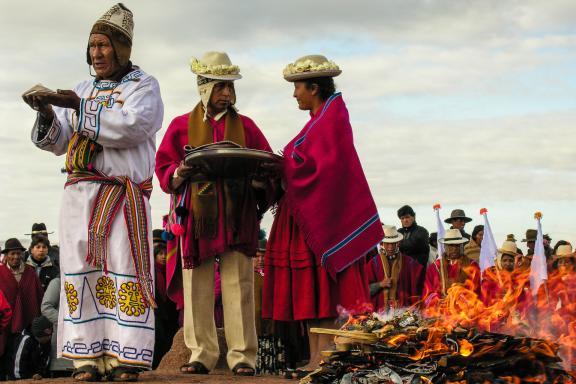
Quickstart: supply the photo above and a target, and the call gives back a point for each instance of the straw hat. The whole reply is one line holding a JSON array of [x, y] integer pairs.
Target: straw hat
[[215, 65], [508, 248], [564, 251], [453, 236], [311, 66], [391, 234], [458, 214]]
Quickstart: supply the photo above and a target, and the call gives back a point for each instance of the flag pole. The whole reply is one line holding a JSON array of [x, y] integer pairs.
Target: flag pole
[[440, 256]]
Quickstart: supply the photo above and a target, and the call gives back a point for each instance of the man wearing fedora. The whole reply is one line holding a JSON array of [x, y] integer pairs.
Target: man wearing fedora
[[39, 229], [22, 289], [219, 220], [451, 268], [107, 128], [501, 282], [458, 220], [394, 278]]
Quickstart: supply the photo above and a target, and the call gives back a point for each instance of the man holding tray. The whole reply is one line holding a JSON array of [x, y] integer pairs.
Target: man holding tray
[[213, 219]]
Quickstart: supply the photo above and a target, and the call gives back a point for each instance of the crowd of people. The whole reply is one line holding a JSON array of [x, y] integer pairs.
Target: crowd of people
[[111, 305]]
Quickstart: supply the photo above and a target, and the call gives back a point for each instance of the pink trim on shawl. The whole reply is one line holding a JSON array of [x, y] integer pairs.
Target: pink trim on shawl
[[327, 191]]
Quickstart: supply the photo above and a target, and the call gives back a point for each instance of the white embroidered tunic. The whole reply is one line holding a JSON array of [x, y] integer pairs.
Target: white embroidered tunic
[[104, 313]]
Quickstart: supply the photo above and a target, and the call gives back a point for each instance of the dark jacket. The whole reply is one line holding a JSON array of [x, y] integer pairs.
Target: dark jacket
[[27, 357], [46, 270], [415, 243]]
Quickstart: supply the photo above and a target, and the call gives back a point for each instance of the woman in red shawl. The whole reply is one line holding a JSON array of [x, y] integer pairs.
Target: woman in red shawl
[[327, 220]]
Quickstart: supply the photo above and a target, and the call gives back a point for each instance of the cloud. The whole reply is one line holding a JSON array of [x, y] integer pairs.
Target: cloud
[[452, 101]]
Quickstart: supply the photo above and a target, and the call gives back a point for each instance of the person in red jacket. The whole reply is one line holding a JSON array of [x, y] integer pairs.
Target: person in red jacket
[[393, 276], [5, 318], [452, 268], [21, 288]]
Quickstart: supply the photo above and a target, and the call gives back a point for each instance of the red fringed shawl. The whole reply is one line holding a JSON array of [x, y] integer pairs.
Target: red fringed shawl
[[327, 191]]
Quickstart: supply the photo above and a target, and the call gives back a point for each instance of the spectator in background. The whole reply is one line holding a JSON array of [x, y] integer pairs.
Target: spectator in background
[[29, 356], [472, 249], [21, 287], [415, 241], [45, 268], [39, 229], [458, 220], [5, 318], [166, 314], [59, 367], [530, 241]]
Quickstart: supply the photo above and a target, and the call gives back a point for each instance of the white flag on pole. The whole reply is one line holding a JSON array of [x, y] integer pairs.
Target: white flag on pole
[[488, 248], [440, 230], [538, 268]]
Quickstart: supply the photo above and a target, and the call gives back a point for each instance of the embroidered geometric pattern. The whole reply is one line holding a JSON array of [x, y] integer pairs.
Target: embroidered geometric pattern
[[130, 299], [89, 121], [106, 292], [71, 297], [125, 354]]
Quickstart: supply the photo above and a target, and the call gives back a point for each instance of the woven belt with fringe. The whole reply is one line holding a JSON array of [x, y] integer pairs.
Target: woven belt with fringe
[[113, 191]]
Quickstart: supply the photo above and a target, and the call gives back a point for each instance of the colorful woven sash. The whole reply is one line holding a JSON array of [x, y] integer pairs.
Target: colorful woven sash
[[113, 191], [80, 153]]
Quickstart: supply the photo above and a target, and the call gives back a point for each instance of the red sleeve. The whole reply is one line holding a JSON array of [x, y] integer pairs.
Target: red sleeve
[[254, 137], [5, 312], [171, 150]]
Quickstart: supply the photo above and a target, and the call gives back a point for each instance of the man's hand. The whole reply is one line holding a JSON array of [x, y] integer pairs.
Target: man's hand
[[37, 101], [386, 283], [63, 98]]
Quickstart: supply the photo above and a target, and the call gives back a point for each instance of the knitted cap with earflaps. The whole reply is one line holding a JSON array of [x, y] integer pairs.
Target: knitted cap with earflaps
[[118, 25]]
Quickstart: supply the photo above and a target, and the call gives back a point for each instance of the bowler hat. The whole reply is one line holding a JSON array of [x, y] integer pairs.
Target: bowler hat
[[458, 214], [157, 236], [12, 244]]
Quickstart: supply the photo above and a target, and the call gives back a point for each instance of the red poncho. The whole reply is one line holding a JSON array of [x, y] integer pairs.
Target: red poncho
[[327, 192], [24, 298], [408, 280]]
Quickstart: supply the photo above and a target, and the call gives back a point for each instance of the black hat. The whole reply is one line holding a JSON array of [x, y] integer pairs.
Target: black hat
[[39, 229], [406, 210], [12, 245], [458, 214], [531, 235], [41, 326], [157, 236]]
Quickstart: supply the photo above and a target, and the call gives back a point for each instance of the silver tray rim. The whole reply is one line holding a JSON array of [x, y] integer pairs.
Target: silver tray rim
[[243, 153]]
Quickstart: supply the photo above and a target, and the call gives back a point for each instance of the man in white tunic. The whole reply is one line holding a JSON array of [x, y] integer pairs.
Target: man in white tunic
[[106, 127]]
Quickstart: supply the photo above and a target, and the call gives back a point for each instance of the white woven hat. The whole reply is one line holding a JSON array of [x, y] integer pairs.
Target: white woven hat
[[391, 234], [453, 236], [215, 65], [311, 66]]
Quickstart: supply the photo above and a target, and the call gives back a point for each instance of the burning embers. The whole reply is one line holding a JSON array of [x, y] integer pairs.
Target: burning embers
[[411, 349]]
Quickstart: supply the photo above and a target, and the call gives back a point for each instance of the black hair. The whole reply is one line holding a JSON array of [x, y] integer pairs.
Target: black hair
[[39, 239], [406, 210], [326, 86]]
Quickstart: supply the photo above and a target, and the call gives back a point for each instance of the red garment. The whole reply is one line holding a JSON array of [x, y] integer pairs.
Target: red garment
[[557, 302], [327, 192], [169, 155], [5, 318], [433, 284], [296, 286], [408, 281], [24, 298]]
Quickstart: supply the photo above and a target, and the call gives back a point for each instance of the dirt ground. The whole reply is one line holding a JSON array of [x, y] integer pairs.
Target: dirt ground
[[168, 371]]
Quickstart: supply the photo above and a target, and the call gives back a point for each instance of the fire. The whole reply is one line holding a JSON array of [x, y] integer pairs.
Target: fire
[[466, 348]]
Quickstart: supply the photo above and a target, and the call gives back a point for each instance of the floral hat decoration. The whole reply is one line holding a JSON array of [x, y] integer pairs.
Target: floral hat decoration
[[215, 65], [311, 66]]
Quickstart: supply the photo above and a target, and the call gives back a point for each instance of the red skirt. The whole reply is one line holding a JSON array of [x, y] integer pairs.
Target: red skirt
[[297, 287]]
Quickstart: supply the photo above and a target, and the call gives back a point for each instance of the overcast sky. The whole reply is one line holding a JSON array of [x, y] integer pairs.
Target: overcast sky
[[467, 103]]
